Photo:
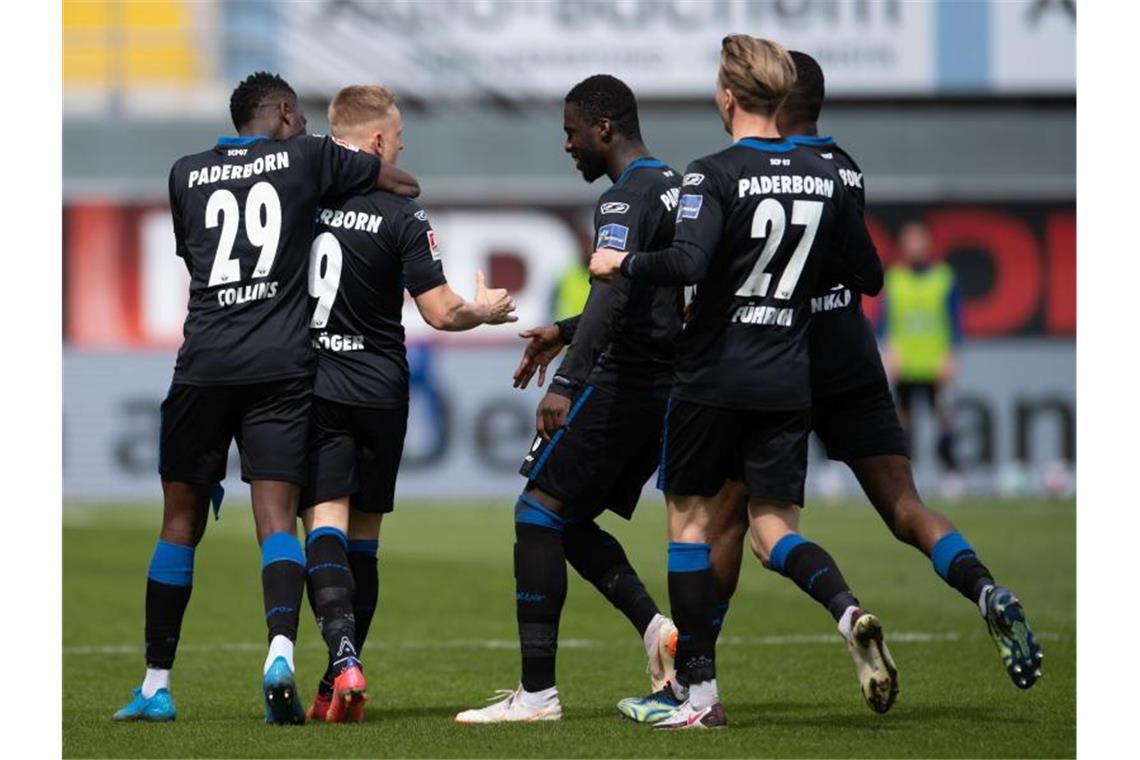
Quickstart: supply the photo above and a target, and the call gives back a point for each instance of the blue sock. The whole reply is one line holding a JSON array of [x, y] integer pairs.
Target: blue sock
[[169, 580], [957, 563], [282, 583]]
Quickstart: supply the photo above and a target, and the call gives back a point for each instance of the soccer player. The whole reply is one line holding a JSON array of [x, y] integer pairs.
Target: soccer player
[[599, 424], [856, 421], [243, 219], [368, 250], [758, 225]]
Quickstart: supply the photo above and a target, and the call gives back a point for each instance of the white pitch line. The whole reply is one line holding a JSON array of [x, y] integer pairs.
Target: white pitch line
[[794, 639]]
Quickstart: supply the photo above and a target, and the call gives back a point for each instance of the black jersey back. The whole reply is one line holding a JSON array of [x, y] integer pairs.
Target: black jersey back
[[757, 225], [844, 352], [627, 334], [243, 222], [368, 249]]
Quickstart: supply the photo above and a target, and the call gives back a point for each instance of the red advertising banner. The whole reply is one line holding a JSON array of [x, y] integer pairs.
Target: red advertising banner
[[1015, 264]]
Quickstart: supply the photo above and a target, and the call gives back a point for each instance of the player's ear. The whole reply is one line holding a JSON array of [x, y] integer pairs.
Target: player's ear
[[605, 130]]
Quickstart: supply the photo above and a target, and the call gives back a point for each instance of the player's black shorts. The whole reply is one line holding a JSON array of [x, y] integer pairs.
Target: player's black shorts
[[270, 422], [861, 422], [355, 451], [604, 456], [707, 445], [909, 390]]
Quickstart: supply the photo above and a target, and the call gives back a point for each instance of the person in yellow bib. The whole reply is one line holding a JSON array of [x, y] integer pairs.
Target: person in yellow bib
[[920, 325]]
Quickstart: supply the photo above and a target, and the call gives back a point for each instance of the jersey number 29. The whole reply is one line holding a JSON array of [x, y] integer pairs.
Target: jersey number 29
[[222, 208]]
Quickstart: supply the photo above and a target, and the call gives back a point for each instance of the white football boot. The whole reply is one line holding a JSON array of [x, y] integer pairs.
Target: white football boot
[[878, 677], [515, 706]]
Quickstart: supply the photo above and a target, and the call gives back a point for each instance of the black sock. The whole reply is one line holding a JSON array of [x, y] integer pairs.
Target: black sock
[[282, 583], [814, 571], [366, 576], [540, 590], [692, 595], [169, 581], [955, 561], [720, 611], [330, 590], [600, 559]]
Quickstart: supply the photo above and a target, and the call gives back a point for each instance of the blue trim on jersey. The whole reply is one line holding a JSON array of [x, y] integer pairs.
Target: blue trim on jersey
[[766, 147], [172, 564], [949, 548], [281, 547], [363, 546], [649, 161], [818, 141], [558, 435], [664, 445], [247, 140], [531, 512], [782, 549], [327, 530], [688, 557]]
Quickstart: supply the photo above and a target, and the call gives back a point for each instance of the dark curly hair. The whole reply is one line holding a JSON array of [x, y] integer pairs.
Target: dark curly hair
[[805, 100], [605, 97], [253, 92]]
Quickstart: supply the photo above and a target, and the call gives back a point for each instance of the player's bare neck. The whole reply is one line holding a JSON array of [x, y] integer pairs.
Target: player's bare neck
[[256, 129], [746, 124], [803, 129], [622, 155]]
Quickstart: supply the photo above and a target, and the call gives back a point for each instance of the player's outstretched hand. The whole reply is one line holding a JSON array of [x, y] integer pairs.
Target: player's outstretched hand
[[551, 415], [606, 263], [545, 343], [496, 305]]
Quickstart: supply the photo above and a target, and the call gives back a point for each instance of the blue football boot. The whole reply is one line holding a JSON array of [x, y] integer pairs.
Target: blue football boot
[[282, 705], [1018, 649], [157, 709]]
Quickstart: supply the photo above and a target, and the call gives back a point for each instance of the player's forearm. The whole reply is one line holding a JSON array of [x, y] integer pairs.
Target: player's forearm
[[395, 180], [444, 309], [591, 334], [568, 328], [676, 265]]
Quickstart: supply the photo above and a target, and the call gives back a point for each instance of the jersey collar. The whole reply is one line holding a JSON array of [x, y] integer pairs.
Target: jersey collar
[[811, 140], [766, 146], [637, 164], [226, 140]]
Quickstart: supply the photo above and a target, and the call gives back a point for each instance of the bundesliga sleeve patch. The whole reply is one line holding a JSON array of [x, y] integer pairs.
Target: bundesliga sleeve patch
[[613, 236], [690, 207], [433, 245], [614, 208]]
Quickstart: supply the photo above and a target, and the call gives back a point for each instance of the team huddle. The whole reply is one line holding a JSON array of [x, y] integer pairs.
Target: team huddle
[[299, 250]]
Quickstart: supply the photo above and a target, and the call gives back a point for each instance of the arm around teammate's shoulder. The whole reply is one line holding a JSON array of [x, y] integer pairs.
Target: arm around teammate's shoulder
[[859, 260]]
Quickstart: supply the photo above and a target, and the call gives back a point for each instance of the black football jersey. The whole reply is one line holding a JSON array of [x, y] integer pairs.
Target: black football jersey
[[844, 352], [758, 225], [368, 250], [626, 334], [243, 223]]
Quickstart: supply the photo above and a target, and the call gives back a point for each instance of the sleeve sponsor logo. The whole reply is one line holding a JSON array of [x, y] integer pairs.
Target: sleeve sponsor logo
[[614, 208], [690, 207], [693, 178], [613, 236], [433, 244]]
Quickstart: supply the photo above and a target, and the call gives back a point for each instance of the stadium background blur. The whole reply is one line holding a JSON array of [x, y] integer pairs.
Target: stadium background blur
[[961, 113]]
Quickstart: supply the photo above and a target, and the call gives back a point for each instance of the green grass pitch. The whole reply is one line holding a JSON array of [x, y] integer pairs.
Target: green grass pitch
[[443, 640]]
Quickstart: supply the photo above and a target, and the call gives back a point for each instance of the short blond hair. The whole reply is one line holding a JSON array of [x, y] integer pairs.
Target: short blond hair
[[360, 104], [759, 73]]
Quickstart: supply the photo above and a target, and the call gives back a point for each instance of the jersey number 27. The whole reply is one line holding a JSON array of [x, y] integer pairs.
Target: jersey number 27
[[771, 212]]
